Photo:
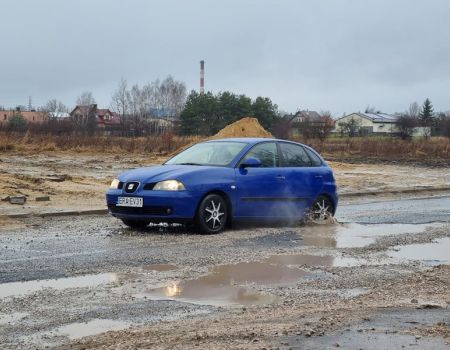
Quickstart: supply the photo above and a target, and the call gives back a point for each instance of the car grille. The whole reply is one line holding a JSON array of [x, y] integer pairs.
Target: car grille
[[148, 210], [131, 186]]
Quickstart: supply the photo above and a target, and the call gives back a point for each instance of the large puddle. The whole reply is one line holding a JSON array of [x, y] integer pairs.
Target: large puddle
[[355, 235], [224, 285], [435, 253], [234, 284], [15, 289]]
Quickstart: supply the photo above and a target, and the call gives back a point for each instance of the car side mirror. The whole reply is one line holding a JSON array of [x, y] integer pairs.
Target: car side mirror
[[251, 162]]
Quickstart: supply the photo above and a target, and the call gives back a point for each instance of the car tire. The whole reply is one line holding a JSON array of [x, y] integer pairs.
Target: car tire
[[321, 212], [136, 224], [212, 214]]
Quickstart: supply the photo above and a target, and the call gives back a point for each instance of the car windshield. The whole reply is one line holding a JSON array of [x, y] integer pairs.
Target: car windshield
[[208, 153]]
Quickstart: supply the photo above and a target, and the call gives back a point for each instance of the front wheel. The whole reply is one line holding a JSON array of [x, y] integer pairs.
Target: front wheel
[[136, 224], [212, 214], [321, 212]]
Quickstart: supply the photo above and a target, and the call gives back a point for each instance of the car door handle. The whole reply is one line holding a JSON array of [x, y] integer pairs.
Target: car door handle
[[280, 177], [318, 176]]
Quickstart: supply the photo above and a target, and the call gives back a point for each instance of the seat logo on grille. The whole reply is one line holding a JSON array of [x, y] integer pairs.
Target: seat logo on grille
[[131, 186]]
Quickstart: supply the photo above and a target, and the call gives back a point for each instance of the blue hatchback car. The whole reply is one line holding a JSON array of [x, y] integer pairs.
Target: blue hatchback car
[[215, 182]]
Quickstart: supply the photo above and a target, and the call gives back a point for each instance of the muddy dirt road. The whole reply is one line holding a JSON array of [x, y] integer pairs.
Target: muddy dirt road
[[372, 281]]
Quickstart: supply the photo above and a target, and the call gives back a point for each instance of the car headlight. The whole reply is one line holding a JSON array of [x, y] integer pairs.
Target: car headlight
[[114, 184], [169, 185]]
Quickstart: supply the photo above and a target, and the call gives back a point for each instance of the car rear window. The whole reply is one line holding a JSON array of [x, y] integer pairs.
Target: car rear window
[[294, 155], [315, 160]]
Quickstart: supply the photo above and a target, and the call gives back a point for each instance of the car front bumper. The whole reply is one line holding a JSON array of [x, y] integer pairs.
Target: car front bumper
[[163, 206]]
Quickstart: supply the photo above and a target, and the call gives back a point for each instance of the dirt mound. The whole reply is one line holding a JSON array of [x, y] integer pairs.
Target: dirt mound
[[245, 127]]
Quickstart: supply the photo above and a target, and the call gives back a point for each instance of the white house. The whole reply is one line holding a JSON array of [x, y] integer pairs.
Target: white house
[[369, 123]]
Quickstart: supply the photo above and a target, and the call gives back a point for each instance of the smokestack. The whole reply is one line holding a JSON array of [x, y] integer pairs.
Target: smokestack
[[202, 76]]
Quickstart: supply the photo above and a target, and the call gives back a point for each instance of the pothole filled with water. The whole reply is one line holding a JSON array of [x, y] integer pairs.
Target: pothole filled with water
[[355, 235], [434, 253], [224, 285], [15, 289]]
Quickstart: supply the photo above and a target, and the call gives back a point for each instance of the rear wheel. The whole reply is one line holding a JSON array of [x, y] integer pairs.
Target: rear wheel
[[137, 224], [212, 214], [321, 212]]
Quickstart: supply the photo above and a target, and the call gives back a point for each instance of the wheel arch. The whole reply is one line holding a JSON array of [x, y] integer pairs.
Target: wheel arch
[[330, 198], [227, 199]]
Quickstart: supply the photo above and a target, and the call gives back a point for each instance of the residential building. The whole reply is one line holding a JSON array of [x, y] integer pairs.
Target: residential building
[[29, 116], [368, 123], [297, 121], [103, 116]]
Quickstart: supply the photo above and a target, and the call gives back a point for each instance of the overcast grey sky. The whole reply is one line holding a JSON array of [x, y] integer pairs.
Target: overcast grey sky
[[339, 55]]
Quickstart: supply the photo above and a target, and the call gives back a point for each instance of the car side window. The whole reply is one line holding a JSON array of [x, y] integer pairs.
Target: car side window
[[316, 161], [266, 152], [294, 155]]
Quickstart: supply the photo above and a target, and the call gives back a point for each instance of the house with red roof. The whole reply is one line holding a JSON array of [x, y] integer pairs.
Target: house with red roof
[[103, 116]]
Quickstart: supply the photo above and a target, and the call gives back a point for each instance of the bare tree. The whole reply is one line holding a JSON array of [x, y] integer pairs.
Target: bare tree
[[138, 110], [120, 103], [414, 110], [156, 99], [54, 108], [172, 95], [351, 127], [85, 99], [406, 124], [85, 117]]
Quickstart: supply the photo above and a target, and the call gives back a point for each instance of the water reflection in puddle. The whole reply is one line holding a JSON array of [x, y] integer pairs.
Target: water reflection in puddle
[[221, 286], [435, 253], [14, 289], [354, 235], [93, 327]]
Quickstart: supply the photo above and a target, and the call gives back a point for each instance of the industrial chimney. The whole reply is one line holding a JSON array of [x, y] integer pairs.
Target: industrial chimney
[[202, 76]]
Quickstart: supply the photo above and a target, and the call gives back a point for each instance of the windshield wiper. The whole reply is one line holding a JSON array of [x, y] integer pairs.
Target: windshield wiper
[[188, 164]]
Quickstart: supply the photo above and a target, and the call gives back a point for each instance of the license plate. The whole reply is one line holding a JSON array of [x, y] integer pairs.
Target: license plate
[[130, 202]]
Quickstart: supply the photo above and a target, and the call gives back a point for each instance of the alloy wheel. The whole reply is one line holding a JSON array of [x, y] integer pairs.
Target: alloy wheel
[[321, 211]]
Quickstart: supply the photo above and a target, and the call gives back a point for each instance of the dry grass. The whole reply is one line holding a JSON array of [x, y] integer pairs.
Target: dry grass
[[433, 150], [161, 144]]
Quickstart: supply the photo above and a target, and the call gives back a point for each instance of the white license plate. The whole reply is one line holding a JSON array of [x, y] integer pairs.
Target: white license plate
[[130, 202]]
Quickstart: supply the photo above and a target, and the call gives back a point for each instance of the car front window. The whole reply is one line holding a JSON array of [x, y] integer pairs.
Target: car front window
[[208, 153], [266, 152]]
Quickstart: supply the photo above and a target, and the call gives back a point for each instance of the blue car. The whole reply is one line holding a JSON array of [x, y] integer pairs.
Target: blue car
[[216, 182]]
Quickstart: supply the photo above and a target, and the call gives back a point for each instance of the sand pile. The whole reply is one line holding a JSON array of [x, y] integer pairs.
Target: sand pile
[[245, 127]]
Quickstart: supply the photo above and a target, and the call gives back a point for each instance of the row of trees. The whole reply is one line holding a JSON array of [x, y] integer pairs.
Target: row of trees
[[206, 113]]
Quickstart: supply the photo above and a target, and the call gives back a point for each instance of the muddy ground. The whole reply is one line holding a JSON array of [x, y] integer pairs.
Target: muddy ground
[[377, 279], [79, 181]]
